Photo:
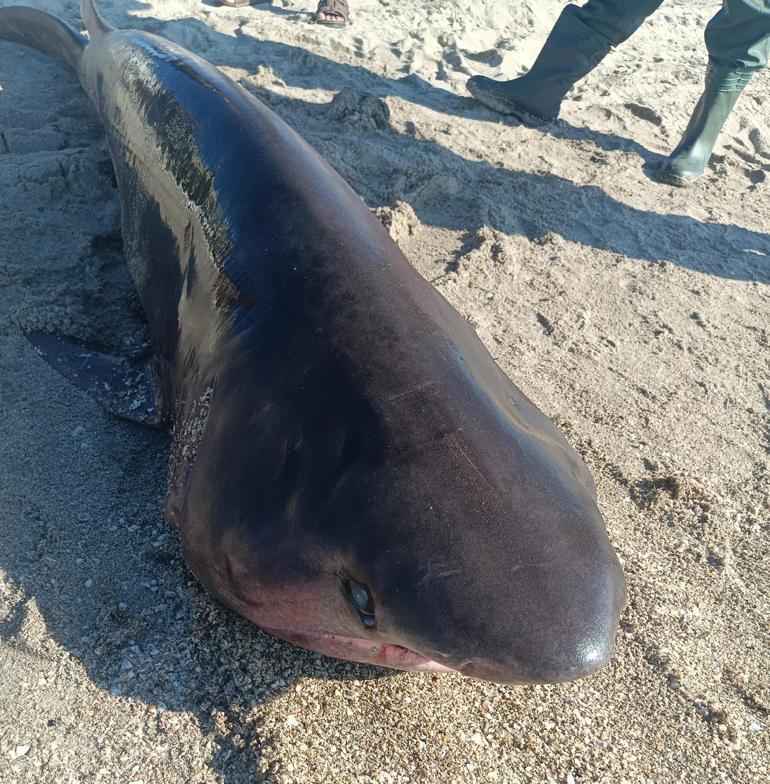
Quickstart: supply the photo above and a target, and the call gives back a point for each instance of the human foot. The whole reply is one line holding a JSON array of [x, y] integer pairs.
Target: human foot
[[332, 13]]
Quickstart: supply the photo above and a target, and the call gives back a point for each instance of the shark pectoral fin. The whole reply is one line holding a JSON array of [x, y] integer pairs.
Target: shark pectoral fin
[[128, 388]]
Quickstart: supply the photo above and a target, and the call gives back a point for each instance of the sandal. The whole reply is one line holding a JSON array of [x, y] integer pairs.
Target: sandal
[[238, 3], [332, 8]]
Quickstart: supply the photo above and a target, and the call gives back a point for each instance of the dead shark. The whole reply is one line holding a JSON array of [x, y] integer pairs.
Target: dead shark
[[350, 468]]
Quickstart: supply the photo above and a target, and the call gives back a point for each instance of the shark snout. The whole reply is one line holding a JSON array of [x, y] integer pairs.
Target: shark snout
[[551, 622], [562, 642]]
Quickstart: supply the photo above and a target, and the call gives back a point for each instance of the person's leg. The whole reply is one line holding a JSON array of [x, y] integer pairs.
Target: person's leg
[[738, 42], [616, 20], [580, 39], [738, 37]]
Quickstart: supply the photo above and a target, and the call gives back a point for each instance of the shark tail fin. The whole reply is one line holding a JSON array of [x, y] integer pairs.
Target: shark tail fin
[[95, 23], [42, 31]]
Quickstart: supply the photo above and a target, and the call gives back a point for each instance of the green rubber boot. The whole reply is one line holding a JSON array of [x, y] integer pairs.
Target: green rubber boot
[[570, 52], [688, 161]]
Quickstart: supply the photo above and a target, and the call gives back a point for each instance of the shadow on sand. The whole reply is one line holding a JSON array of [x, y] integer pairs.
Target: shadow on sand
[[433, 179]]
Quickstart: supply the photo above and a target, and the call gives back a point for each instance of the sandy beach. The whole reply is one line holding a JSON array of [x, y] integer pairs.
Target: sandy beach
[[635, 315]]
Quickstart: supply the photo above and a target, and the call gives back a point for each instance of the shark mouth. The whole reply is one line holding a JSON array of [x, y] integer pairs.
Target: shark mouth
[[365, 651]]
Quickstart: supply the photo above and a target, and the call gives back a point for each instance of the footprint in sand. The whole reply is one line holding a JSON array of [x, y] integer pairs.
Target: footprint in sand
[[760, 143], [644, 113]]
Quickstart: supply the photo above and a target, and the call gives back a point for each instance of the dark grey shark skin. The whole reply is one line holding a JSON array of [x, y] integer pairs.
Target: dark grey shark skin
[[351, 469]]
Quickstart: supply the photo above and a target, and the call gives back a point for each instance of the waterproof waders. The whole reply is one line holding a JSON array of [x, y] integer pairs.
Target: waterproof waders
[[738, 42], [581, 38]]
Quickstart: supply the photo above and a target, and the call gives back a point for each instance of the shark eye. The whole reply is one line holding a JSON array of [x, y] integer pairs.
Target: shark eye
[[361, 598]]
